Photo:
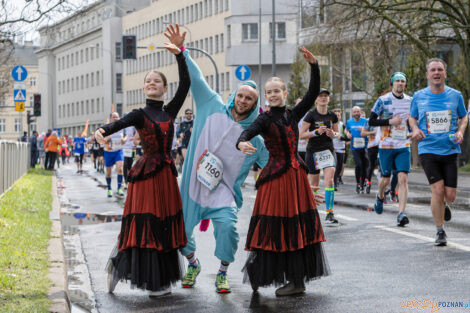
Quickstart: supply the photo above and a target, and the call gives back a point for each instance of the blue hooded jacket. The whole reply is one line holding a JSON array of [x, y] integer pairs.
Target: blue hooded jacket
[[214, 129]]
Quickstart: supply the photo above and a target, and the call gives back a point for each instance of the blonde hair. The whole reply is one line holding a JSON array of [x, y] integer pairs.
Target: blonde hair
[[277, 80]]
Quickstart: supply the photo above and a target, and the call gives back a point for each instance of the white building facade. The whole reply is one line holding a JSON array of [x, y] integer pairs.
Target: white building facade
[[80, 67]]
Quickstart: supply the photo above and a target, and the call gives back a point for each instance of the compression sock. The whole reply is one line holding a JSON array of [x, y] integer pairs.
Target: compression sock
[[119, 181], [192, 259], [108, 181], [329, 199], [223, 267]]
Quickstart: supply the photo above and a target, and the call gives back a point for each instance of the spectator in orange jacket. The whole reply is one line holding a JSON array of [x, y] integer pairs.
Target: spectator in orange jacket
[[51, 150]]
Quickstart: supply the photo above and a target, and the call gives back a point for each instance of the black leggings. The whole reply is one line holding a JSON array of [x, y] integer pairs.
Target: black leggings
[[339, 164], [360, 158], [372, 154]]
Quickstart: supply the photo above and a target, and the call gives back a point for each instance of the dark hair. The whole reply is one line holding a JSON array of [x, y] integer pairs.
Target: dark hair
[[163, 77], [188, 111], [436, 60]]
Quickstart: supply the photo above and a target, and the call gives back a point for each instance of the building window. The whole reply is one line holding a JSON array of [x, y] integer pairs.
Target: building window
[[229, 35], [97, 78], [2, 101], [280, 31], [119, 82], [118, 51], [97, 50], [17, 125], [77, 108], [92, 83], [227, 81], [87, 107], [92, 106], [97, 105], [250, 32], [92, 55], [2, 125], [87, 80], [32, 81]]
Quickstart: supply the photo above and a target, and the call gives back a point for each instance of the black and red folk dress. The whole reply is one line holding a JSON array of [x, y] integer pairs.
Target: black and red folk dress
[[285, 234], [152, 228]]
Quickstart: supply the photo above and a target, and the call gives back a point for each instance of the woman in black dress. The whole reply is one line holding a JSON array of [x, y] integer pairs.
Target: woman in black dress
[[152, 228], [285, 233]]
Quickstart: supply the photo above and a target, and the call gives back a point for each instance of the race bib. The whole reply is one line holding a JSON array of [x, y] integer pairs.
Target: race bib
[[116, 143], [76, 154], [323, 159], [399, 132], [438, 121], [359, 142], [128, 153], [210, 170]]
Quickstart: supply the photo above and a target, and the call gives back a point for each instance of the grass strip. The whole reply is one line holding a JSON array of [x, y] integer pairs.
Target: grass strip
[[24, 237]]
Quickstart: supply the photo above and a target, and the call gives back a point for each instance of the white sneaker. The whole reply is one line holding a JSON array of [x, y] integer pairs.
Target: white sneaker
[[160, 293]]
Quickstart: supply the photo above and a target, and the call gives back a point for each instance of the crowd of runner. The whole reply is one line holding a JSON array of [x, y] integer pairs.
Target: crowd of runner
[[288, 147]]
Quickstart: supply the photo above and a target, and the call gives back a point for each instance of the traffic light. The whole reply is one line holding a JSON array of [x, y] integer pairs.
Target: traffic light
[[129, 47], [37, 104]]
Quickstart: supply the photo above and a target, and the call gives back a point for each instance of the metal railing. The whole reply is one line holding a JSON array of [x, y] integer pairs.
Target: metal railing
[[14, 162]]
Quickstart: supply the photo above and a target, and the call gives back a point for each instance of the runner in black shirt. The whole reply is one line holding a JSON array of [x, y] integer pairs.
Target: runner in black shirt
[[320, 126]]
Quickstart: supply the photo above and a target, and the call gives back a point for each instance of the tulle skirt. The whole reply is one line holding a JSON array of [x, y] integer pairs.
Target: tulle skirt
[[285, 234], [152, 231]]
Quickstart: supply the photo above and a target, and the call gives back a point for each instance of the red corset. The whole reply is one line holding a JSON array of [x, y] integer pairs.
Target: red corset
[[156, 140], [281, 142]]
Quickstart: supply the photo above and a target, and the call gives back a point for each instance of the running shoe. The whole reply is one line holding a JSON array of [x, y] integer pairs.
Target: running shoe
[[110, 193], [379, 205], [368, 189], [402, 219], [120, 193], [330, 219], [441, 238], [289, 290], [189, 279], [358, 189], [362, 189], [447, 213], [393, 196], [156, 294], [221, 283]]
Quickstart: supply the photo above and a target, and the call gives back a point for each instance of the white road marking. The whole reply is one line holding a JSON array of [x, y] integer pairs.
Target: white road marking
[[424, 238]]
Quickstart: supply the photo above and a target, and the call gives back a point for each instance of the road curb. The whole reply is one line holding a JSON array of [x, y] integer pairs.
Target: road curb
[[58, 292]]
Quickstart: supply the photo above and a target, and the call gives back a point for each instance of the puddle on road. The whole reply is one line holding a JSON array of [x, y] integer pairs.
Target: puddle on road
[[72, 217]]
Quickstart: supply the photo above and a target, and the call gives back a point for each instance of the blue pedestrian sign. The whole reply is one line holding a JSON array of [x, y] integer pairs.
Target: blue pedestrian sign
[[242, 72], [19, 73], [19, 95]]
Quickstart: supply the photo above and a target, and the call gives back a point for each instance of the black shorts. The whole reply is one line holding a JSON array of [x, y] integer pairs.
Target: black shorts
[[95, 153], [100, 152], [439, 167], [310, 162], [139, 151], [79, 158], [256, 167]]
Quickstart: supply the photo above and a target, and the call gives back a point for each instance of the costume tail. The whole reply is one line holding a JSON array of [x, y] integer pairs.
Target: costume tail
[[204, 225]]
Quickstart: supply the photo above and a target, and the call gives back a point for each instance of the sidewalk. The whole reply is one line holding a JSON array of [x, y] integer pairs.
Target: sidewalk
[[419, 190]]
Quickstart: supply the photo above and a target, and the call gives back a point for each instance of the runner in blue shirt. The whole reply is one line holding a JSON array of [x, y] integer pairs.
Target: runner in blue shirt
[[438, 119], [79, 151], [354, 127]]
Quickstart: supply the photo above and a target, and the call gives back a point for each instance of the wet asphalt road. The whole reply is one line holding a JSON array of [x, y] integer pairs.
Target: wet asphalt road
[[376, 266]]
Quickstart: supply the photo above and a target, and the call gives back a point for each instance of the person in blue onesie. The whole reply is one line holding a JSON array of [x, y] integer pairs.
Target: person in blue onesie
[[214, 169]]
